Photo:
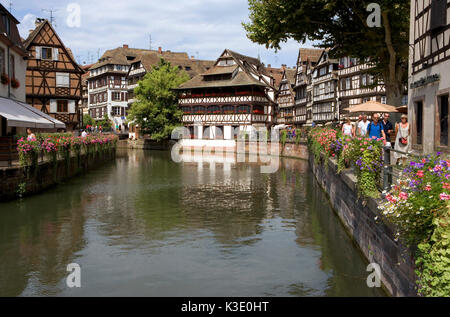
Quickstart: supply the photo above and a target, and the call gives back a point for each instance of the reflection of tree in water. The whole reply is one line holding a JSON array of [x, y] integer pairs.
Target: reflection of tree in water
[[38, 239]]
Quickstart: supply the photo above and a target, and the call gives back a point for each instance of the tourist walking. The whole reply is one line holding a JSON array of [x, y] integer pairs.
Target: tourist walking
[[363, 126], [31, 137], [388, 128], [402, 140], [375, 130], [348, 128]]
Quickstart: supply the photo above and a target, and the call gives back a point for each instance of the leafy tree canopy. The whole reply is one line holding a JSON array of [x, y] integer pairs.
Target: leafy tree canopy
[[88, 120], [340, 25], [156, 109]]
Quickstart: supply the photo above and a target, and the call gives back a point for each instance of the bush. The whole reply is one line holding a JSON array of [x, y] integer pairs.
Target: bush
[[418, 205]]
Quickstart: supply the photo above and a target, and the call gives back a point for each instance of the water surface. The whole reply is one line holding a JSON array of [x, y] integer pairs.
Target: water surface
[[146, 226]]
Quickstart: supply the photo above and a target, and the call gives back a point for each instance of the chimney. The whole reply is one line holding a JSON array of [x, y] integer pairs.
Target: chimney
[[38, 21], [125, 45], [160, 50]]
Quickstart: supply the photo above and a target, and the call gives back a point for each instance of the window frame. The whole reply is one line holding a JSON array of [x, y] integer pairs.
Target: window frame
[[66, 105]]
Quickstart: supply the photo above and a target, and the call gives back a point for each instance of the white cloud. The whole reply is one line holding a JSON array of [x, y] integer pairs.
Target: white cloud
[[203, 26], [26, 25]]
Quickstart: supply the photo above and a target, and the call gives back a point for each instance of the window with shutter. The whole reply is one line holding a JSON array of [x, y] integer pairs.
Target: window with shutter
[[53, 106], [55, 54], [38, 52], [72, 107], [62, 80], [438, 14]]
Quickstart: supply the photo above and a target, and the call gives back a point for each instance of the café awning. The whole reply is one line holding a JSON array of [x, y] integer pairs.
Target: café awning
[[19, 114], [372, 107]]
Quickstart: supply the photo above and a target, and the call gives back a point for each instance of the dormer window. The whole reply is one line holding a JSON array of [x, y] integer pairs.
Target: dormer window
[[226, 62], [6, 23]]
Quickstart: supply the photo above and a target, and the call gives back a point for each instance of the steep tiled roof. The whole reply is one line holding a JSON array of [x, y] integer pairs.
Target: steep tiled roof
[[291, 74], [276, 74], [191, 66], [311, 54], [241, 79], [14, 35], [249, 70]]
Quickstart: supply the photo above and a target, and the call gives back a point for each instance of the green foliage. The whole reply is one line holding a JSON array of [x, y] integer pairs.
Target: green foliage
[[21, 190], [283, 137], [156, 110], [418, 206], [433, 260], [340, 25], [88, 121], [105, 123]]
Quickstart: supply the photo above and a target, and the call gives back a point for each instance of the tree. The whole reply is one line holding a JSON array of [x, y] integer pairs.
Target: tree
[[88, 120], [156, 110], [105, 123], [342, 26]]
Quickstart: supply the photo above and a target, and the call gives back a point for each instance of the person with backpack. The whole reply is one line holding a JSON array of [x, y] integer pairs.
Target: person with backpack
[[375, 130]]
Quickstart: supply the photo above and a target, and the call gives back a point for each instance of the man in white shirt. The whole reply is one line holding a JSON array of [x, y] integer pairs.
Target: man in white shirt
[[84, 134], [363, 126]]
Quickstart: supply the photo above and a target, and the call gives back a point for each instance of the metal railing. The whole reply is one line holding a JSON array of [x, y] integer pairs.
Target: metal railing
[[391, 171]]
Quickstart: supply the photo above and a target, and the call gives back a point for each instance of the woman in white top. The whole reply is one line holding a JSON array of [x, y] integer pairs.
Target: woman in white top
[[403, 139], [31, 136], [348, 129]]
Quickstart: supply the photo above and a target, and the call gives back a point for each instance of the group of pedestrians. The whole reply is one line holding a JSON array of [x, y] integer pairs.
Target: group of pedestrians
[[382, 128]]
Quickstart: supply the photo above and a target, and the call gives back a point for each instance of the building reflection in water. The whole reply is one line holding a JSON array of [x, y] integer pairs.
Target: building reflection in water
[[146, 225]]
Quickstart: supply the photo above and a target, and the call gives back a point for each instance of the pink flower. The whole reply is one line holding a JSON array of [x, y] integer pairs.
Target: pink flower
[[403, 196], [428, 188], [445, 196], [420, 174]]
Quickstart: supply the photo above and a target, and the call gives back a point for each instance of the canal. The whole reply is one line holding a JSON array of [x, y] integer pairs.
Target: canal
[[147, 226]]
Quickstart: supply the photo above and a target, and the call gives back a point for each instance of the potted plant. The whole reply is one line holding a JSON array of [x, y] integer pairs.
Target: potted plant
[[15, 83], [4, 79]]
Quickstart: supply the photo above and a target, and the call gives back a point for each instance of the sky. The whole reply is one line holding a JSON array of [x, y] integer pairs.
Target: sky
[[202, 28]]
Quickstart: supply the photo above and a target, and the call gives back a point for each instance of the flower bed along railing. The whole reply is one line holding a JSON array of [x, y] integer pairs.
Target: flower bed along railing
[[364, 154], [61, 146], [418, 205]]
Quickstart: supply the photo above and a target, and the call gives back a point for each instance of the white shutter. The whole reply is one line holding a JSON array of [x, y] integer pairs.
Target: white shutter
[[55, 54], [71, 106], [53, 106], [38, 52]]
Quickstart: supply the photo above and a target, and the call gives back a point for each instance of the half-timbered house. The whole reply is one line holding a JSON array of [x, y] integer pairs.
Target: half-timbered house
[[286, 97], [234, 95], [53, 80], [429, 80], [147, 59], [325, 89], [357, 85], [307, 60], [15, 115]]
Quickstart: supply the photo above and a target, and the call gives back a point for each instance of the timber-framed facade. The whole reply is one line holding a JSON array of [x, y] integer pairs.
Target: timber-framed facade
[[357, 85], [286, 98], [325, 89], [429, 81], [234, 95], [307, 60], [53, 79]]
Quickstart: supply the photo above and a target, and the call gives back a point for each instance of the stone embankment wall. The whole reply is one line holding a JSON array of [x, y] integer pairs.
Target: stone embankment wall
[[374, 237], [18, 182]]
